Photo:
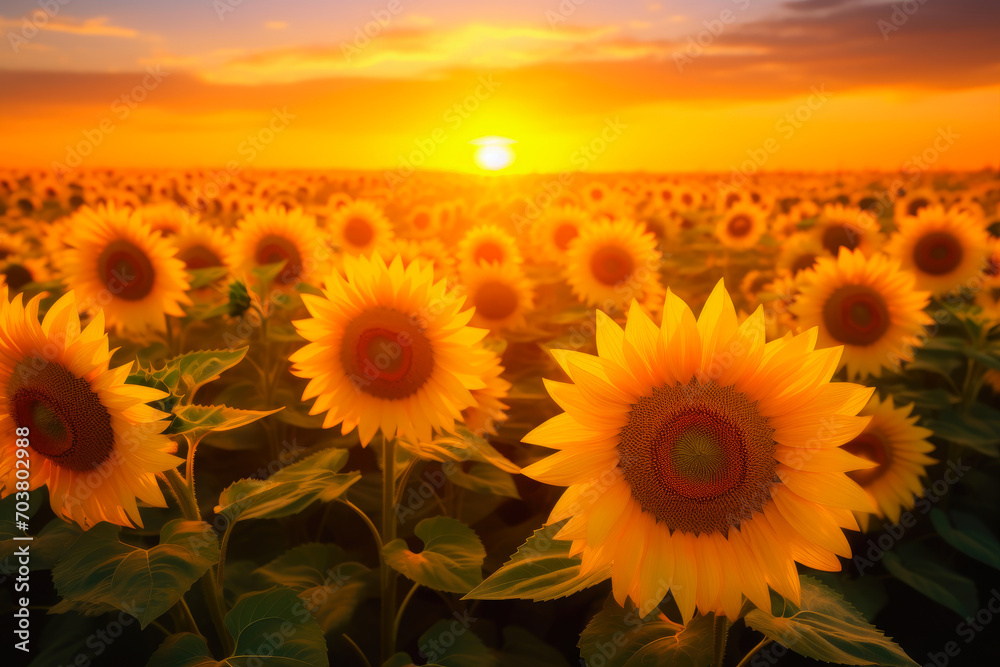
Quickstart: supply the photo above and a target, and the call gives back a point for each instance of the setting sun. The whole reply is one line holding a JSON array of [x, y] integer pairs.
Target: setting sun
[[493, 153]]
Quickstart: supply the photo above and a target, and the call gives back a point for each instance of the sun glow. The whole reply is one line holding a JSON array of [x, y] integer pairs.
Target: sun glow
[[493, 153]]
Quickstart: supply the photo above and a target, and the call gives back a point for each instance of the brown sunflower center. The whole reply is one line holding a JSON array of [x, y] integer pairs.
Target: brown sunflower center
[[421, 220], [739, 226], [199, 257], [68, 423], [856, 315], [916, 206], [488, 252], [837, 236], [565, 233], [611, 265], [803, 262], [731, 199], [496, 300], [386, 354], [871, 447], [126, 270], [273, 249], [17, 276], [358, 232], [699, 458], [938, 253]]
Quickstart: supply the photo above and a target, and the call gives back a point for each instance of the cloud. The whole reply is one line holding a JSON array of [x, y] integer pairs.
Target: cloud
[[97, 26]]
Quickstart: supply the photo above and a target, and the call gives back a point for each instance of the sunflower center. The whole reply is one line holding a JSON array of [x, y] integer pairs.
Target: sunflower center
[[68, 423], [199, 257], [496, 300], [699, 458], [611, 265], [273, 249], [488, 252], [837, 236], [938, 253], [421, 220], [17, 276], [739, 226], [565, 233], [358, 232], [916, 206], [856, 315], [803, 262], [731, 199], [871, 447], [126, 270], [386, 354]]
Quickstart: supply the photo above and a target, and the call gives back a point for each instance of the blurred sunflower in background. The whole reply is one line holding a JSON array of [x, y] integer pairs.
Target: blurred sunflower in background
[[741, 226], [612, 263], [489, 409], [868, 305], [709, 475], [945, 250], [799, 252], [388, 350], [360, 228], [272, 235], [117, 263], [556, 229], [486, 244], [839, 226], [84, 421], [899, 449], [501, 296]]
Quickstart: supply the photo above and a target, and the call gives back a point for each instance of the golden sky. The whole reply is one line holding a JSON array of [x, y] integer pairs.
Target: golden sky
[[578, 84]]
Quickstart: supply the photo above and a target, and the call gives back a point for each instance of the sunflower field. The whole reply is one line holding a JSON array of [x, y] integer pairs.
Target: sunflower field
[[314, 418]]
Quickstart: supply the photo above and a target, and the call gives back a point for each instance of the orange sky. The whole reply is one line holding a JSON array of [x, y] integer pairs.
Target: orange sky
[[816, 85]]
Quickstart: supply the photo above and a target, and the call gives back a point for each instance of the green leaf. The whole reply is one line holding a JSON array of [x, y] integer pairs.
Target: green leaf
[[207, 276], [195, 421], [451, 643], [915, 566], [184, 375], [99, 572], [269, 629], [485, 478], [463, 445], [967, 430], [290, 490], [542, 569], [825, 627], [969, 535], [452, 558], [266, 274], [329, 587], [616, 637], [523, 649]]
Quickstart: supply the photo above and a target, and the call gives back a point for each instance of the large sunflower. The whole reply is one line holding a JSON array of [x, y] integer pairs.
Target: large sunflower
[[715, 457], [93, 441], [868, 305], [501, 295], [945, 249], [117, 263], [268, 236], [389, 349], [898, 449], [612, 263]]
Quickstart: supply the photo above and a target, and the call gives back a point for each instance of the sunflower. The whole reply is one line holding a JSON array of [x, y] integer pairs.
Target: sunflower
[[389, 349], [430, 251], [715, 457], [501, 295], [422, 221], [167, 218], [268, 236], [898, 448], [945, 250], [868, 305], [799, 252], [489, 409], [555, 230], [360, 227], [487, 244], [93, 440], [741, 226], [16, 272], [840, 226], [117, 263], [910, 204], [611, 263]]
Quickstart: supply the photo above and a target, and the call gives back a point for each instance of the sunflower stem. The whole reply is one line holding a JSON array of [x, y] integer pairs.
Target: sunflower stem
[[357, 648], [368, 522], [402, 608], [745, 662], [721, 632], [185, 613], [388, 535], [208, 589], [220, 591], [184, 495]]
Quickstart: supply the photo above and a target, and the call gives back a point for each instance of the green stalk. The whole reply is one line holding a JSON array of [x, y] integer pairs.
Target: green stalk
[[388, 535]]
